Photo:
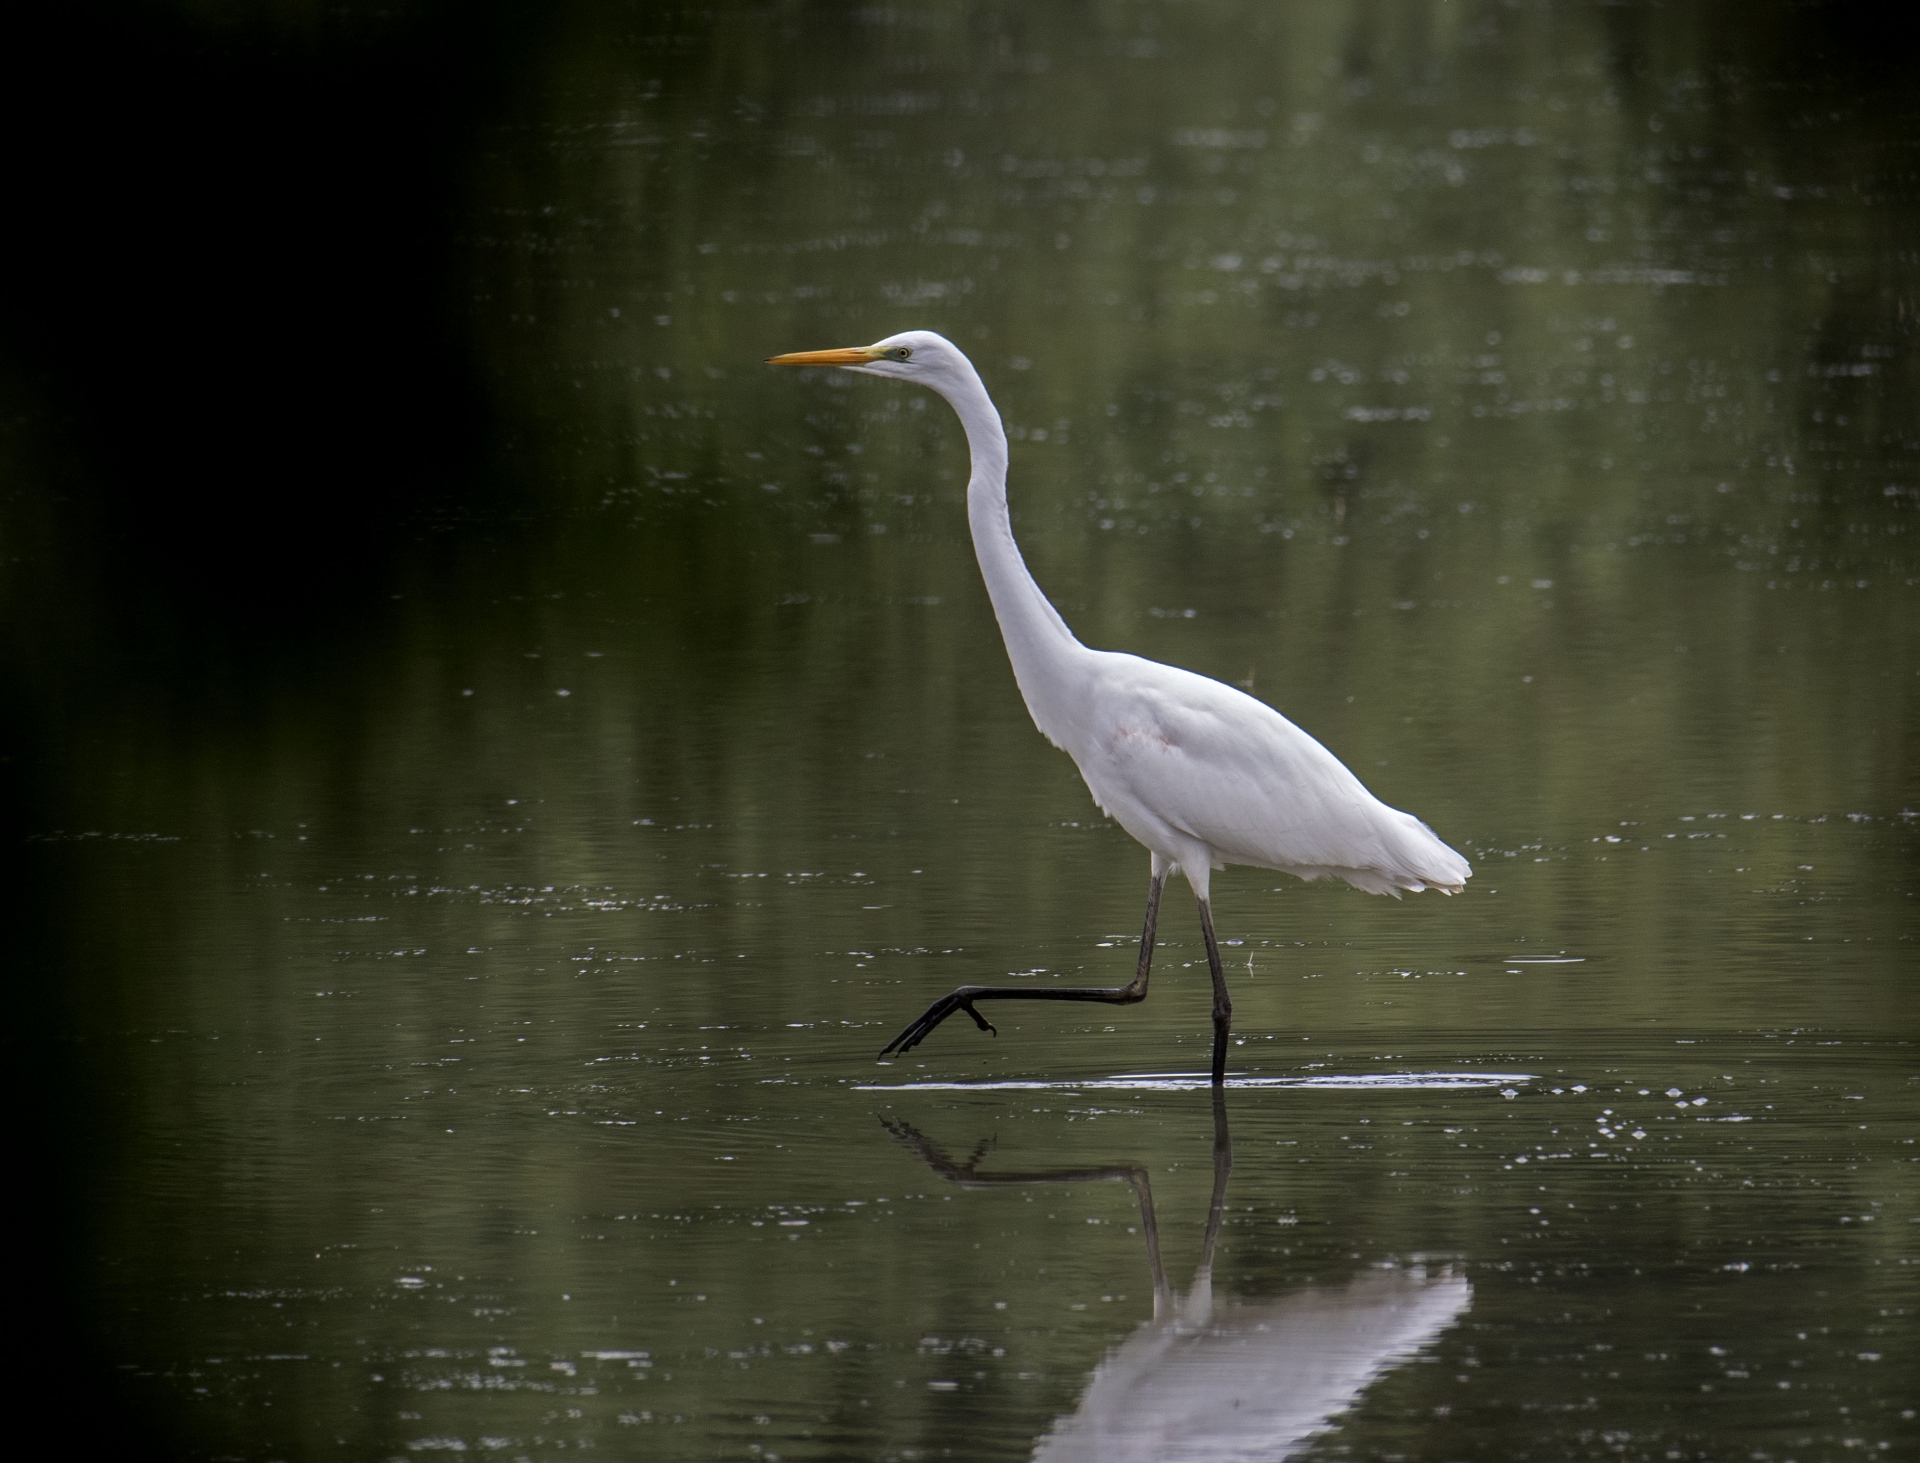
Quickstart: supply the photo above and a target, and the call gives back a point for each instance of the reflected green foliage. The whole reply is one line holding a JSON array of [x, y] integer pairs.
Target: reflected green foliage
[[1520, 399]]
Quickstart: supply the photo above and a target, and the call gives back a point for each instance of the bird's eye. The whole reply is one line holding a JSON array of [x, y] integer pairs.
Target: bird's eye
[[900, 352]]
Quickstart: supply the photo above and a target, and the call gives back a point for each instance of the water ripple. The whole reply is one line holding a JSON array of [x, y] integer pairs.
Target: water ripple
[[1191, 1081]]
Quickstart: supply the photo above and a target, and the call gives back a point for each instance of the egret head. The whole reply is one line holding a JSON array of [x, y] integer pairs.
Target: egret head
[[919, 356]]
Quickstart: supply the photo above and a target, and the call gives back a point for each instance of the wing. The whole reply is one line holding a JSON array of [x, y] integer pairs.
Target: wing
[[1191, 759]]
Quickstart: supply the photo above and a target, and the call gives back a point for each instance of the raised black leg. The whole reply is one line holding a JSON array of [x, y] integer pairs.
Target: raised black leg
[[1222, 1002], [962, 999]]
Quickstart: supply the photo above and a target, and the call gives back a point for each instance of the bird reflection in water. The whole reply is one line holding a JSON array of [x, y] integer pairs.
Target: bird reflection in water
[[1210, 1379]]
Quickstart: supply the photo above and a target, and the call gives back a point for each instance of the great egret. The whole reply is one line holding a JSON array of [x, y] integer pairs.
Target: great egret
[[1201, 773]]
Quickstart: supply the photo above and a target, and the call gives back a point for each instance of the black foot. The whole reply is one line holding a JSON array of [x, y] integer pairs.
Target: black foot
[[922, 1025]]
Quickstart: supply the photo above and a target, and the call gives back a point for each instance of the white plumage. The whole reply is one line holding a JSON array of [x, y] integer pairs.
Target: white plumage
[[1201, 773], [1206, 776]]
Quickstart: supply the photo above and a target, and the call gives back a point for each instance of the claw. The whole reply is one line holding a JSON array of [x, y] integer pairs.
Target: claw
[[979, 1020], [922, 1025]]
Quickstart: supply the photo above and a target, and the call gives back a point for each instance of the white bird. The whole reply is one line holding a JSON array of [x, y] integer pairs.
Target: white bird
[[1199, 772]]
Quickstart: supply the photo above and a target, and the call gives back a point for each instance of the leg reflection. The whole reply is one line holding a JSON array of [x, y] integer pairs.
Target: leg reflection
[[969, 1176], [1199, 1303]]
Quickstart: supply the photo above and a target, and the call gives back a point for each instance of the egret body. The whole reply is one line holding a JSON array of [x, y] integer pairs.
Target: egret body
[[1199, 772]]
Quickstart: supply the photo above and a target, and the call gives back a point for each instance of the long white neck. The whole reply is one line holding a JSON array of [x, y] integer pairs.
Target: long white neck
[[1045, 655]]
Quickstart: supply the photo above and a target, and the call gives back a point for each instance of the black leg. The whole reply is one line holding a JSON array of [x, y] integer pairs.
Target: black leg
[[962, 999], [1222, 1003]]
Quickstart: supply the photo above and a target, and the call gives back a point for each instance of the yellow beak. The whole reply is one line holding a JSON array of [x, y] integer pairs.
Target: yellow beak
[[852, 355]]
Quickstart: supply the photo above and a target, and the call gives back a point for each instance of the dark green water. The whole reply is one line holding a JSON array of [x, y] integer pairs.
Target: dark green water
[[483, 999]]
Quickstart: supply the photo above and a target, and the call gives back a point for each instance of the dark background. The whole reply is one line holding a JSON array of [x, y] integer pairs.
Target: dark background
[[226, 240]]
